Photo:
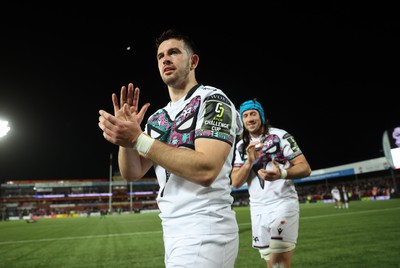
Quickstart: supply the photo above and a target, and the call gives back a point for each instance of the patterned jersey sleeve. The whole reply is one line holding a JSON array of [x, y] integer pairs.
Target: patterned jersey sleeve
[[290, 147], [217, 118]]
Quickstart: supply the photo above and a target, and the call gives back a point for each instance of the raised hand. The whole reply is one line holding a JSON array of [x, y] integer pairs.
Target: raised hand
[[123, 128], [130, 97], [252, 151]]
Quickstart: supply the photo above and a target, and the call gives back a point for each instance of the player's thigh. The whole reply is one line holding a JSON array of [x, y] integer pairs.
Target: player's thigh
[[261, 231], [211, 251]]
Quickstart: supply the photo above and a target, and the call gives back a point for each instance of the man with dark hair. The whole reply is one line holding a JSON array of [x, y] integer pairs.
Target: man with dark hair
[[190, 144]]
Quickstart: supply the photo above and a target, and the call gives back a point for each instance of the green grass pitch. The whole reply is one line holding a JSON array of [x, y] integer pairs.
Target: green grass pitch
[[365, 235]]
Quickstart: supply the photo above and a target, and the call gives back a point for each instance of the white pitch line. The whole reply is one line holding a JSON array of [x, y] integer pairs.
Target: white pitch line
[[76, 237]]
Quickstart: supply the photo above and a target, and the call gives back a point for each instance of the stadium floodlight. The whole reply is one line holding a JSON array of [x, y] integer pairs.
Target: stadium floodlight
[[4, 128]]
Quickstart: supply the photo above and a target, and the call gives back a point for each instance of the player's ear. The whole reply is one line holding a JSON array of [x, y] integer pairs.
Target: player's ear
[[194, 61]]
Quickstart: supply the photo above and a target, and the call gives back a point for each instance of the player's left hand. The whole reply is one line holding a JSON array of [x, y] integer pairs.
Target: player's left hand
[[270, 174]]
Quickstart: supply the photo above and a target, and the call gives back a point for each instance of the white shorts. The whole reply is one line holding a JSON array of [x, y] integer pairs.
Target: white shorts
[[279, 224], [211, 251]]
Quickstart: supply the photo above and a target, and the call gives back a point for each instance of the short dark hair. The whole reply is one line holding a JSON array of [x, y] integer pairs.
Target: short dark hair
[[175, 34]]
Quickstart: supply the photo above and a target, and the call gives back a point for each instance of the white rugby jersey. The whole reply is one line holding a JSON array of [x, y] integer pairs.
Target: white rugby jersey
[[280, 145], [335, 193], [186, 207]]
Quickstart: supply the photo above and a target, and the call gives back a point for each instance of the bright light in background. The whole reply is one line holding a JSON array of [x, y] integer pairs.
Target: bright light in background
[[4, 128]]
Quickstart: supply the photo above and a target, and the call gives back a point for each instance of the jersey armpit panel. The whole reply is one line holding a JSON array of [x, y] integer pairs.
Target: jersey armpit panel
[[159, 125], [176, 128]]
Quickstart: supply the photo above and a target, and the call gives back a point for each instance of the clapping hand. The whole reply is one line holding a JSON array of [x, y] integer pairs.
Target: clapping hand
[[123, 127]]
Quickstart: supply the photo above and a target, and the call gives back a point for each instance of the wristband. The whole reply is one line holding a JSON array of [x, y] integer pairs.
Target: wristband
[[283, 173], [143, 143]]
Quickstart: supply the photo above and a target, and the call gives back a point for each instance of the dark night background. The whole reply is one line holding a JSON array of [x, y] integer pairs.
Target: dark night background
[[326, 73]]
